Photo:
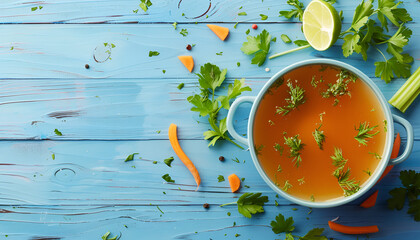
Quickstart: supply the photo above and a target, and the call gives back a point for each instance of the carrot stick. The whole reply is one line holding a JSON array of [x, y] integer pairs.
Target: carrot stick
[[396, 147], [234, 182], [352, 230], [221, 32], [370, 201], [173, 138], [394, 154]]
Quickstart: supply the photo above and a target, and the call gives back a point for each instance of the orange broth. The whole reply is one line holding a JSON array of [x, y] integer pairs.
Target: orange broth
[[338, 125]]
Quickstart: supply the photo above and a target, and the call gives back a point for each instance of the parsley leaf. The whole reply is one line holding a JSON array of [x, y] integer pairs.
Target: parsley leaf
[[411, 190], [281, 225], [145, 4], [314, 234], [183, 32], [130, 157], [168, 178], [387, 69], [153, 53], [168, 161], [260, 45], [58, 133], [250, 203], [220, 178], [106, 236], [297, 12], [285, 38], [263, 17], [207, 104]]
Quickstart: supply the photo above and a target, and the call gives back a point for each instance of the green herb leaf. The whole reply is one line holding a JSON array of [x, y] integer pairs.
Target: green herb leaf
[[281, 224], [301, 43], [130, 157], [387, 69], [242, 14], [180, 86], [263, 17], [414, 209], [210, 76], [168, 161], [153, 53], [314, 234], [145, 4], [365, 133], [220, 178], [175, 24], [183, 32], [296, 146], [58, 133], [251, 203], [285, 38], [234, 90], [297, 98], [297, 12], [168, 178], [398, 198], [260, 45]]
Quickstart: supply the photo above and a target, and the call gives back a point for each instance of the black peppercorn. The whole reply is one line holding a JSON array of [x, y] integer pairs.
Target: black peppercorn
[[206, 205], [221, 158], [87, 66], [189, 47]]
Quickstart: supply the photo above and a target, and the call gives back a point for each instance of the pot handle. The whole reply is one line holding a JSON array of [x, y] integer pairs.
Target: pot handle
[[231, 113], [410, 140]]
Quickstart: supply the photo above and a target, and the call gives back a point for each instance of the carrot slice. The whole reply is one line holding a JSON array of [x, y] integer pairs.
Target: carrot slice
[[221, 32], [188, 62], [394, 154], [173, 138], [370, 201], [396, 147], [234, 182], [352, 230]]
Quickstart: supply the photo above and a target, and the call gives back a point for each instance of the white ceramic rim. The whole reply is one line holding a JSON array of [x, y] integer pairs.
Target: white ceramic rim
[[388, 142]]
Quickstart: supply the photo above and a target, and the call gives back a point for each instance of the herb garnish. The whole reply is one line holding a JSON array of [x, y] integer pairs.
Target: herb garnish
[[249, 204], [410, 179], [130, 157], [168, 178], [153, 53], [145, 4], [349, 186], [278, 148], [283, 225], [106, 236], [180, 86], [168, 161], [365, 133], [260, 45], [295, 144], [319, 136], [285, 38], [377, 156], [207, 103], [297, 97], [58, 133], [175, 24], [258, 149], [220, 178], [297, 12], [263, 17], [242, 14], [340, 87], [286, 186], [301, 180], [183, 32]]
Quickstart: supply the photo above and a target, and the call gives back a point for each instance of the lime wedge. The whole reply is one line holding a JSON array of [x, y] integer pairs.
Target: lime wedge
[[321, 24]]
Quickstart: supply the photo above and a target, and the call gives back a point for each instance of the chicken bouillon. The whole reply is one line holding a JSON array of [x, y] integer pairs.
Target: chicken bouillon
[[319, 133]]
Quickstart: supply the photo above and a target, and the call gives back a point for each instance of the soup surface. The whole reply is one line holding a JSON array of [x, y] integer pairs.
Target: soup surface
[[319, 133]]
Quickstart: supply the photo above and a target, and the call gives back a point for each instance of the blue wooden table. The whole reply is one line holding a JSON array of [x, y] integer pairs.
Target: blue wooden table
[[77, 186]]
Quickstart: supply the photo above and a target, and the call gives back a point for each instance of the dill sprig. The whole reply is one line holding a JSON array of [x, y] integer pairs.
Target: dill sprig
[[365, 133], [287, 186], [340, 87], [295, 144], [297, 97], [319, 136], [349, 186]]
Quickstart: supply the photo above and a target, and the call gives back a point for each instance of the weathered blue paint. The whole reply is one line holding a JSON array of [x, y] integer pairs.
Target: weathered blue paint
[[117, 107]]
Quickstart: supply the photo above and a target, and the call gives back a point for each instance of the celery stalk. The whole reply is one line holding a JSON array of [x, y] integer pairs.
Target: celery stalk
[[403, 98]]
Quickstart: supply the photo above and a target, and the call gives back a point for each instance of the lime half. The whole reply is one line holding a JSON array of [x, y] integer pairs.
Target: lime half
[[321, 24]]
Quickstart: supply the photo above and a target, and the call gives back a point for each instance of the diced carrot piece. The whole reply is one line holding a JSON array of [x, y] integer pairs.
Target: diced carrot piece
[[352, 230], [370, 201], [234, 182], [188, 62], [221, 32], [173, 138]]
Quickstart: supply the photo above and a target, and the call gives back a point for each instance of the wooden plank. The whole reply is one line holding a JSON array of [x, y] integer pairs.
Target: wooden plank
[[61, 51], [94, 173], [107, 11], [192, 222], [110, 109]]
